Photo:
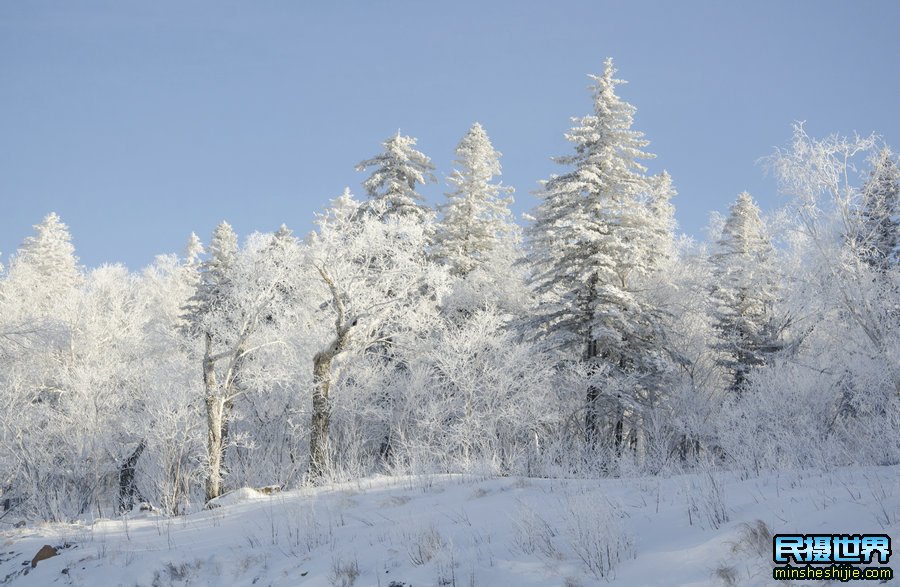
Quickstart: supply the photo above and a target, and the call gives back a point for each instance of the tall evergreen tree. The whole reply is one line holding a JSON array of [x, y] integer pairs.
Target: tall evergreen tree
[[193, 251], [591, 243], [661, 245], [879, 214], [212, 288], [476, 217], [280, 253], [399, 170], [49, 252], [744, 292], [47, 261]]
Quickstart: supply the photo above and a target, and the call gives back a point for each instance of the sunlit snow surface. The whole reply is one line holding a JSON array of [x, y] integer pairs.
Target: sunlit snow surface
[[463, 530]]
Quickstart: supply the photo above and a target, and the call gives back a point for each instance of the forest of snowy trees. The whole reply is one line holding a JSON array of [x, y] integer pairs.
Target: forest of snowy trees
[[396, 338]]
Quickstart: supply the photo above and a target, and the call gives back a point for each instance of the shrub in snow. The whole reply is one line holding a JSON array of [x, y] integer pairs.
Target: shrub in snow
[[706, 500], [596, 534]]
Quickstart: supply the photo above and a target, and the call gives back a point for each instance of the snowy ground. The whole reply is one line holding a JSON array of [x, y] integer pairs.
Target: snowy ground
[[453, 530]]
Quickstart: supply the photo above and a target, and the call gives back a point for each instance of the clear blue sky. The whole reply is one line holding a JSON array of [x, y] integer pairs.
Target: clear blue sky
[[139, 122]]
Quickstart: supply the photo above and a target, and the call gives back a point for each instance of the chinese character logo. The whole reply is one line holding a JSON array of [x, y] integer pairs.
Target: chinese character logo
[[812, 549]]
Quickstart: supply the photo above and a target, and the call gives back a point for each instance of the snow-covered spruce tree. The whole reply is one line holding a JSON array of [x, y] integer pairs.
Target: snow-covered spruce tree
[[50, 252], [593, 239], [215, 279], [398, 171], [878, 215], [744, 292], [47, 257], [188, 271], [40, 298], [193, 251], [476, 217], [660, 231]]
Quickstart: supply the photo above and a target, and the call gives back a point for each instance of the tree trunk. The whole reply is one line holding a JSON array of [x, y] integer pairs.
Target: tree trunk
[[227, 409], [619, 427], [470, 414], [386, 401], [214, 410], [7, 502], [321, 415], [619, 432], [233, 387], [591, 417], [640, 440], [127, 490]]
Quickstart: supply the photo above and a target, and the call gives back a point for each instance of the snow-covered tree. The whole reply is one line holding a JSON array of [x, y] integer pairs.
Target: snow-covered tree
[[234, 300], [392, 189], [373, 278], [816, 174], [168, 443], [40, 298], [74, 363], [211, 316], [476, 220], [661, 228], [193, 251], [213, 288], [477, 397], [878, 222], [744, 290], [47, 260], [50, 252], [39, 302], [592, 241], [264, 428], [398, 171]]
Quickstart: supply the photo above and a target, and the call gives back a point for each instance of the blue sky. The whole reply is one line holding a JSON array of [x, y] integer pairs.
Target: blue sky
[[139, 122]]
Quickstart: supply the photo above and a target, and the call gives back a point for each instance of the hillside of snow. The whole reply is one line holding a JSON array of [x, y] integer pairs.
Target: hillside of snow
[[698, 529]]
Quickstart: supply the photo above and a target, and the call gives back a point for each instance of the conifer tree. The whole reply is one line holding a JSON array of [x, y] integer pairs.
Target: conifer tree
[[744, 292], [879, 214], [47, 260], [593, 240], [193, 251], [476, 217], [212, 288], [399, 170], [280, 254]]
